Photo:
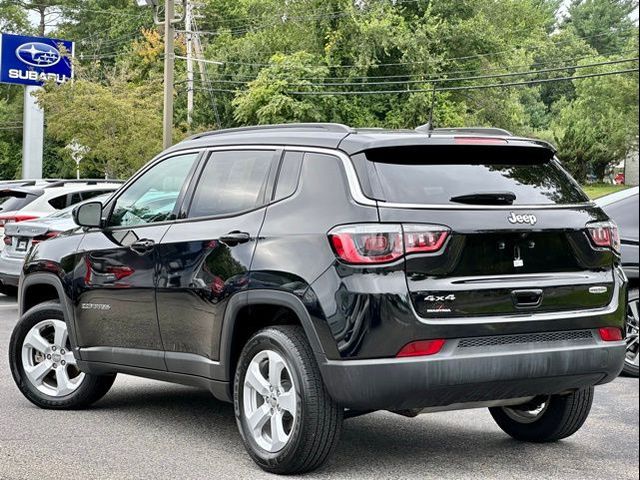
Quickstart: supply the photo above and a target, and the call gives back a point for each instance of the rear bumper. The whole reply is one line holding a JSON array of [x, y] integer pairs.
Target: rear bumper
[[10, 269], [472, 375]]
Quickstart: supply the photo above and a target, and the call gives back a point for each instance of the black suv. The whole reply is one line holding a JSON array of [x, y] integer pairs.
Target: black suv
[[310, 273]]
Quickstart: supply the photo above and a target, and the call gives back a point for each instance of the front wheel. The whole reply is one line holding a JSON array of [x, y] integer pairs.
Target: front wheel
[[545, 419], [43, 365], [631, 360], [288, 422]]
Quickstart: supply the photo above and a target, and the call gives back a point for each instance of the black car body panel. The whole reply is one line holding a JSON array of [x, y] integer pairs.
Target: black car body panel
[[167, 299]]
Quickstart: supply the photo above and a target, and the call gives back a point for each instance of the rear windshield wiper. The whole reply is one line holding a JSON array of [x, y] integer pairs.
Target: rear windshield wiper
[[486, 198]]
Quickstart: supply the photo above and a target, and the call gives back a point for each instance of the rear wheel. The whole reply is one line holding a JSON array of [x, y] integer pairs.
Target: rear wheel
[[43, 365], [288, 422], [631, 360], [545, 419]]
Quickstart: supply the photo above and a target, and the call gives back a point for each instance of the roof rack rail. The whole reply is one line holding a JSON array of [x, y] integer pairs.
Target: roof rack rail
[[327, 127], [467, 131], [88, 181]]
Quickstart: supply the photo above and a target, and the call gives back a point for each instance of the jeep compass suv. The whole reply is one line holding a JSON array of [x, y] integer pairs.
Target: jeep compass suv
[[310, 273]]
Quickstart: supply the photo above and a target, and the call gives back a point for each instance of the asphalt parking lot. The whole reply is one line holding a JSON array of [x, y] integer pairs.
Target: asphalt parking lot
[[148, 429]]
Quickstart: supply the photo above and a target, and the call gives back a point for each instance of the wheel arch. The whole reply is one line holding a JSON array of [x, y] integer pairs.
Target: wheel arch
[[38, 288], [236, 330]]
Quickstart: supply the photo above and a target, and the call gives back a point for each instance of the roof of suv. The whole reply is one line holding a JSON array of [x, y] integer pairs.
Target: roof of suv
[[351, 140]]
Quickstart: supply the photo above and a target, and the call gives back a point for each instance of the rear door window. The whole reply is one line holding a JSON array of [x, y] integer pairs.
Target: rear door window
[[438, 176], [233, 182]]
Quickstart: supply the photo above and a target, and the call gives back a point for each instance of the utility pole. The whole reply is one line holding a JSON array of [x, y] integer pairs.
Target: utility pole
[[169, 62], [190, 88]]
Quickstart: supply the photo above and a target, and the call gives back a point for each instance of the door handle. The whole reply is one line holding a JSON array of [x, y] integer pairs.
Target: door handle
[[234, 238], [142, 247]]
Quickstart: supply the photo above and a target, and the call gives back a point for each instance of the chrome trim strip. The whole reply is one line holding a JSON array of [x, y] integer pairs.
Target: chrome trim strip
[[525, 317]]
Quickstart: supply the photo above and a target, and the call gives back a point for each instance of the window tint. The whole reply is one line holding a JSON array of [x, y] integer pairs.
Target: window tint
[[232, 182], [437, 177], [59, 202], [153, 196], [289, 174]]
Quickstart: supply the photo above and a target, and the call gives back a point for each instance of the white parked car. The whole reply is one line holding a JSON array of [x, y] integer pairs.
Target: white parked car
[[31, 202]]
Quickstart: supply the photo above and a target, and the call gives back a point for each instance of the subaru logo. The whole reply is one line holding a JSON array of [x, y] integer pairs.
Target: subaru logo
[[38, 54]]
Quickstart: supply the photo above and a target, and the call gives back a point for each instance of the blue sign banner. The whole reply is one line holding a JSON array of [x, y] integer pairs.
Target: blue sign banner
[[35, 60]]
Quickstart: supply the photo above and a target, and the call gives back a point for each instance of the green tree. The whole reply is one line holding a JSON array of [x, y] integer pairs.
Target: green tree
[[607, 25], [599, 127], [120, 124]]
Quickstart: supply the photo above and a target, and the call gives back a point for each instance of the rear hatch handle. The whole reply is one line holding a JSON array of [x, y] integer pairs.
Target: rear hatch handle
[[527, 298]]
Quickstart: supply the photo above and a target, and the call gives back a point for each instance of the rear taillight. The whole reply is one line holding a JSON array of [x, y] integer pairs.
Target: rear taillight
[[4, 219], [421, 348], [7, 240], [605, 235], [46, 236], [610, 334], [381, 243]]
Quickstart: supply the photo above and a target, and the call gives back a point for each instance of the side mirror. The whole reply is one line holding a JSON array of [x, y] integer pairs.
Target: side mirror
[[88, 215]]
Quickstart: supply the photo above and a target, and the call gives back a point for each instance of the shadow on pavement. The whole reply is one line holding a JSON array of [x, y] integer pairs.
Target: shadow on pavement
[[377, 442]]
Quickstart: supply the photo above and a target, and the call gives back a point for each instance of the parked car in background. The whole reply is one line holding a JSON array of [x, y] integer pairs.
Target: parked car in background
[[19, 237], [36, 199], [41, 198], [622, 207]]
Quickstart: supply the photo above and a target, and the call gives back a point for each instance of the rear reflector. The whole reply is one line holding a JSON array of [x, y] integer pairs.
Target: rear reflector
[[381, 243], [611, 334], [421, 348]]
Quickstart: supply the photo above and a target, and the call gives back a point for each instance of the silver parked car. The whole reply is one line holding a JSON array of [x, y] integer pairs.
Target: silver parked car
[[623, 208], [19, 237]]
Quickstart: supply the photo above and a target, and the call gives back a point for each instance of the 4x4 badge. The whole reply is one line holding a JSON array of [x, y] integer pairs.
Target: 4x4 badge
[[527, 218]]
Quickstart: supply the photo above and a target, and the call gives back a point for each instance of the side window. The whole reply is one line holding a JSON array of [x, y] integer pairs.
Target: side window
[[75, 198], [289, 175], [153, 196], [87, 195], [59, 202], [232, 182]]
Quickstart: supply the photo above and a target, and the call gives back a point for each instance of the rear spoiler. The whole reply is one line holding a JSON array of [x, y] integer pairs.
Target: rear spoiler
[[18, 192]]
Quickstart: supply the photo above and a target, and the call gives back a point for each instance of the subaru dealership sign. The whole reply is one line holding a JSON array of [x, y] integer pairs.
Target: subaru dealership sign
[[34, 61]]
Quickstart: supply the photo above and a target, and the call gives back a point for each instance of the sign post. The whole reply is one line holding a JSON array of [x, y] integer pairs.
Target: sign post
[[32, 61]]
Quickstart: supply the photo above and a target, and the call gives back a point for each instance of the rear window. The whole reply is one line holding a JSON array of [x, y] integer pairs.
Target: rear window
[[438, 176], [10, 204]]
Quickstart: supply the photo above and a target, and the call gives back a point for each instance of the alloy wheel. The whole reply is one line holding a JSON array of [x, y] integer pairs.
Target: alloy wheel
[[528, 413], [47, 359], [269, 401], [632, 333]]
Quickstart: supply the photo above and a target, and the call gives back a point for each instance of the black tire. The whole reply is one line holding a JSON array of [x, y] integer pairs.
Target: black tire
[[630, 369], [92, 388], [316, 431], [563, 416]]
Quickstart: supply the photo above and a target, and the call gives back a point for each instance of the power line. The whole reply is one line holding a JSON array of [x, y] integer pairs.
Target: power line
[[448, 79], [449, 72], [468, 87]]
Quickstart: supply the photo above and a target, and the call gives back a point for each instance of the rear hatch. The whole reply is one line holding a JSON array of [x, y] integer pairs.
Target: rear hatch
[[522, 236]]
